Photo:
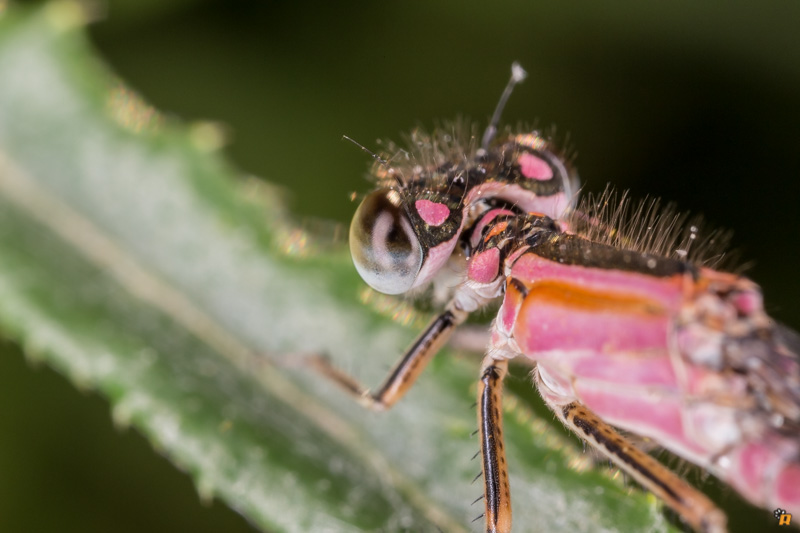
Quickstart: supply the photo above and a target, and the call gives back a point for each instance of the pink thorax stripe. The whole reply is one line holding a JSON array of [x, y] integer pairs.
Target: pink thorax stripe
[[667, 292], [646, 368], [556, 316]]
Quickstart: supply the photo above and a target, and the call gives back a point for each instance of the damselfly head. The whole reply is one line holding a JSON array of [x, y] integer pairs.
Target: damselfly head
[[432, 194]]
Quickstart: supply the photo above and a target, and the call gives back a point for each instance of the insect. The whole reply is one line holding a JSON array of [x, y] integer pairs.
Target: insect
[[628, 329]]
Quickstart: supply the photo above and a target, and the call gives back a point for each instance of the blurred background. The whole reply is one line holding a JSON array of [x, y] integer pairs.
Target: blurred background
[[693, 102]]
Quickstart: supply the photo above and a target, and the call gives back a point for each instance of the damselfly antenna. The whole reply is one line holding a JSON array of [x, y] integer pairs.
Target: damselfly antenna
[[517, 75], [375, 156]]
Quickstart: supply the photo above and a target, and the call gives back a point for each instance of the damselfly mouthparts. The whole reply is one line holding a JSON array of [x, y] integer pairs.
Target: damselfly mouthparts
[[628, 326]]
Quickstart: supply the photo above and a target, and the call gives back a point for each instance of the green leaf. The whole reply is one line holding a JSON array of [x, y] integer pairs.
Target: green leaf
[[136, 262]]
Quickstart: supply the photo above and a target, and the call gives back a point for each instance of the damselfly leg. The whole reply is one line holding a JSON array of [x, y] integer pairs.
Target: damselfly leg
[[407, 369], [692, 505], [497, 493]]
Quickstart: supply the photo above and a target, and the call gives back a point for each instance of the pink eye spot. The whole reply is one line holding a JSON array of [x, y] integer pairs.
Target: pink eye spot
[[432, 213], [485, 266], [534, 167]]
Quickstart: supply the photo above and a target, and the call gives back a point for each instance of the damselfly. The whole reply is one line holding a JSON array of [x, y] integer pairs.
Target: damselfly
[[626, 323]]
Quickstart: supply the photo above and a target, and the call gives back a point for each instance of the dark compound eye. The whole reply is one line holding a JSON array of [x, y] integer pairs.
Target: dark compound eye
[[385, 249]]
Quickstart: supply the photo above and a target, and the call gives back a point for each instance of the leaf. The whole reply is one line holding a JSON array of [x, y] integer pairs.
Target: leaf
[[136, 262]]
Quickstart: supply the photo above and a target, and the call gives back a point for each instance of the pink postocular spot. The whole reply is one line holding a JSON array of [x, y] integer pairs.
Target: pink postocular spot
[[485, 266], [534, 167], [432, 213]]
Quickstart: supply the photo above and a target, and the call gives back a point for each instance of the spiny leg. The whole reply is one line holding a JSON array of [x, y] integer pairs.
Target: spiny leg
[[497, 494], [406, 371], [695, 508]]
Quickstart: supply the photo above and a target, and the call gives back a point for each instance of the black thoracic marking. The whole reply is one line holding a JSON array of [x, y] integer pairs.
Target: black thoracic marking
[[490, 461], [521, 288], [574, 250], [613, 447], [487, 205], [442, 323], [500, 203]]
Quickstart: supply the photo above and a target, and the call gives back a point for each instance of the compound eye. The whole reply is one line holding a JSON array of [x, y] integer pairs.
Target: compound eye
[[385, 249]]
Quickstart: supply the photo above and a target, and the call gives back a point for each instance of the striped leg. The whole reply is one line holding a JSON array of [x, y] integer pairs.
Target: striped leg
[[695, 508], [497, 494], [406, 371]]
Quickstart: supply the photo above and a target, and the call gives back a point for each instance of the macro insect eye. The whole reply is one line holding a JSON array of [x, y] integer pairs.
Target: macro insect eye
[[385, 249]]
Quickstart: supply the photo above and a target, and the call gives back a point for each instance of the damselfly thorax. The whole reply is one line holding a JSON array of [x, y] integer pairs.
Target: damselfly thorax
[[627, 328]]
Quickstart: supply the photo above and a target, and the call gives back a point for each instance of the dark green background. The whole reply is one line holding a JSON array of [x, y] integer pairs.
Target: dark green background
[[693, 102]]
